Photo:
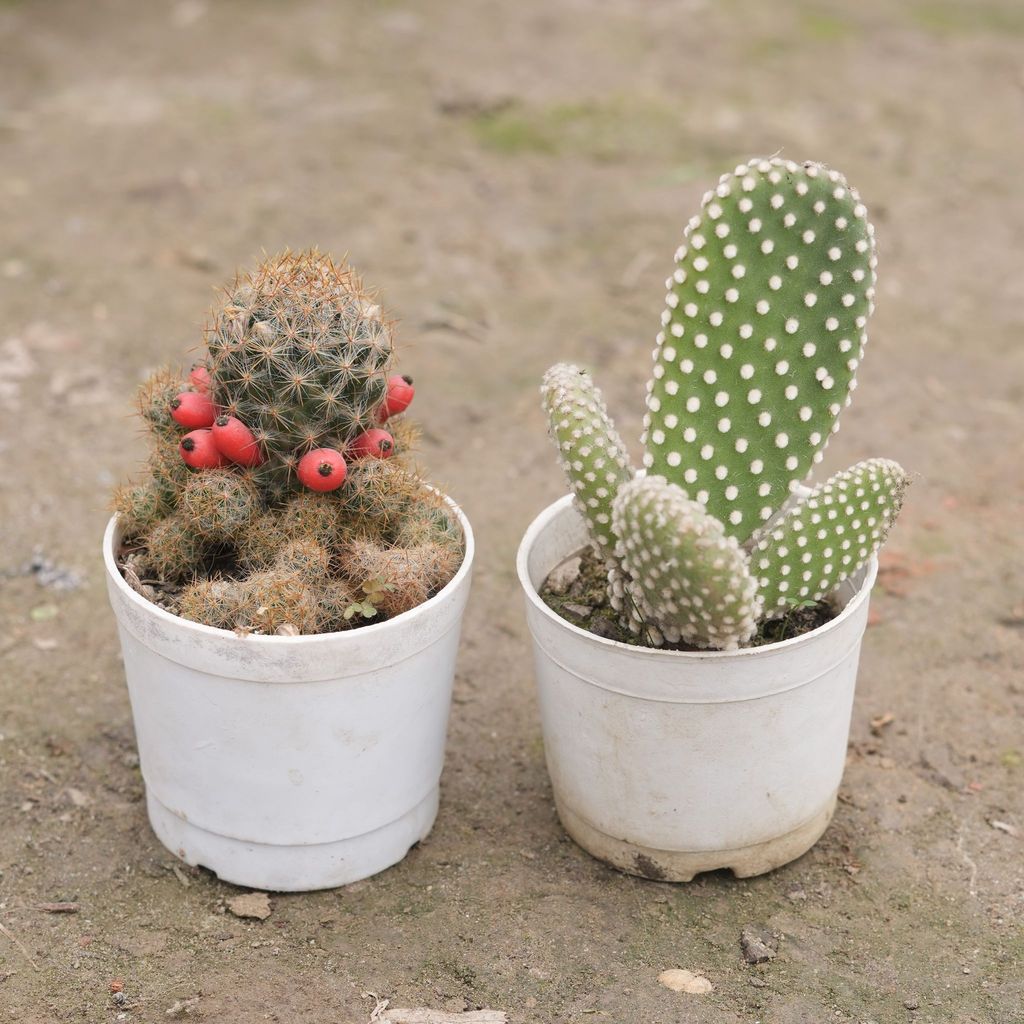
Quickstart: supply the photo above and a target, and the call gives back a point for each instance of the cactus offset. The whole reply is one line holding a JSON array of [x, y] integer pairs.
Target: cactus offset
[[694, 577], [827, 535], [408, 576], [300, 354], [764, 330], [593, 454], [219, 503]]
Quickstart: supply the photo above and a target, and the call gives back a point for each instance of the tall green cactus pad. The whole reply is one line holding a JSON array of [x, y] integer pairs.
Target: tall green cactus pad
[[591, 451], [829, 534], [762, 335], [694, 578]]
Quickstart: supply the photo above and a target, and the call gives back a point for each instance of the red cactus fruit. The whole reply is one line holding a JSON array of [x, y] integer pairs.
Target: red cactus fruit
[[376, 443], [199, 378], [192, 409], [399, 397], [322, 469], [236, 442], [199, 451]]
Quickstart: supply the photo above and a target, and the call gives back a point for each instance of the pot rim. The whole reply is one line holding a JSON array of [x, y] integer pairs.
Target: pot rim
[[544, 519], [283, 642]]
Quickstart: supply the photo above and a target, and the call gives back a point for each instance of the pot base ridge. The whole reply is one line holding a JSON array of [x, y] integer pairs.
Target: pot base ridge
[[293, 868], [684, 865]]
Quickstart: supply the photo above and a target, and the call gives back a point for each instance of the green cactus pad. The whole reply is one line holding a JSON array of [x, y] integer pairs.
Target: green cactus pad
[[592, 453], [694, 577], [762, 335], [828, 535]]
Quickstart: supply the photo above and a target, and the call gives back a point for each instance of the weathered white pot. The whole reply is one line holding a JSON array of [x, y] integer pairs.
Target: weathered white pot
[[290, 763], [668, 763]]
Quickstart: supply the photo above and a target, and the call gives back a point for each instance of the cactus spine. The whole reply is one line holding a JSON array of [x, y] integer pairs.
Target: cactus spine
[[763, 331]]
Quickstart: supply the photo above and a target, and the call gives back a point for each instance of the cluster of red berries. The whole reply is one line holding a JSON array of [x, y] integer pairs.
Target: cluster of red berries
[[215, 439]]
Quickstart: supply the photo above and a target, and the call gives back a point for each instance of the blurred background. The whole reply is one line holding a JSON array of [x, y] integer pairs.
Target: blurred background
[[514, 177]]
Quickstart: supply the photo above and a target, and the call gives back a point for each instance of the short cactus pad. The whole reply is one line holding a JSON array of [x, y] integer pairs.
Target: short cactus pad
[[592, 453], [694, 577], [828, 535]]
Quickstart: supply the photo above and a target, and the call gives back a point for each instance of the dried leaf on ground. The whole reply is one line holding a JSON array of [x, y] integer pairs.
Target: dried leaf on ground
[[423, 1016], [59, 908], [182, 1007], [679, 980], [251, 904], [879, 722], [1004, 826]]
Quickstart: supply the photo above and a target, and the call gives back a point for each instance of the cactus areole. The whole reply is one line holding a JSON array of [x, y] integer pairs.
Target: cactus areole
[[763, 330]]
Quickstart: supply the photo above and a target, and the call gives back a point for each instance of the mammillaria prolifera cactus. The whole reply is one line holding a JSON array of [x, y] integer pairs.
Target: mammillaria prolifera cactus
[[279, 485]]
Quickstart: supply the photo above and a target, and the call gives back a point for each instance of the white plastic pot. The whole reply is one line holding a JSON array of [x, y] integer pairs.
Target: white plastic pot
[[667, 763], [290, 763]]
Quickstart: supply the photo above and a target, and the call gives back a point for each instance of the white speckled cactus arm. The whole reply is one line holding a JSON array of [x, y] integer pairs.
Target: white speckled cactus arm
[[828, 535], [592, 453], [763, 332], [596, 465], [695, 579]]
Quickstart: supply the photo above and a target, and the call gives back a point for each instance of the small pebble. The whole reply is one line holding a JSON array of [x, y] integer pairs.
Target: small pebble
[[581, 611]]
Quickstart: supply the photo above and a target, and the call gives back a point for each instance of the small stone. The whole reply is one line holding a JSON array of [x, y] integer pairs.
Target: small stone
[[563, 576], [581, 611], [911, 1004], [686, 981], [758, 946], [603, 628], [252, 904]]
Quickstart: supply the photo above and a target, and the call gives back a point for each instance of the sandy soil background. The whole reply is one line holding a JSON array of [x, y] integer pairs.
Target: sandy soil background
[[515, 177]]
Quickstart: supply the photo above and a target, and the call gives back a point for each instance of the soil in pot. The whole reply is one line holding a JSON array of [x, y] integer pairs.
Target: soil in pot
[[332, 581], [577, 591]]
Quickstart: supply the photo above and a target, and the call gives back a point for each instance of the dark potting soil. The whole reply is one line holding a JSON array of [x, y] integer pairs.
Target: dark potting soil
[[577, 591]]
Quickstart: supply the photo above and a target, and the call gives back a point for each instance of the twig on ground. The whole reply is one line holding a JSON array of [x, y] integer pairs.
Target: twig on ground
[[14, 938]]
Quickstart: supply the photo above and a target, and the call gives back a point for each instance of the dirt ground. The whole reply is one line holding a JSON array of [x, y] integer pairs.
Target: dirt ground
[[515, 176]]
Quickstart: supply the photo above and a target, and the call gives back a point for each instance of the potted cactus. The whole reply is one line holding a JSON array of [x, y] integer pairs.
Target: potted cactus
[[288, 591], [707, 728]]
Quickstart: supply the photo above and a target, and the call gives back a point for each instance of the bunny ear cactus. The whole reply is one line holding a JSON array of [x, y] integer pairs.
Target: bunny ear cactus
[[763, 331]]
